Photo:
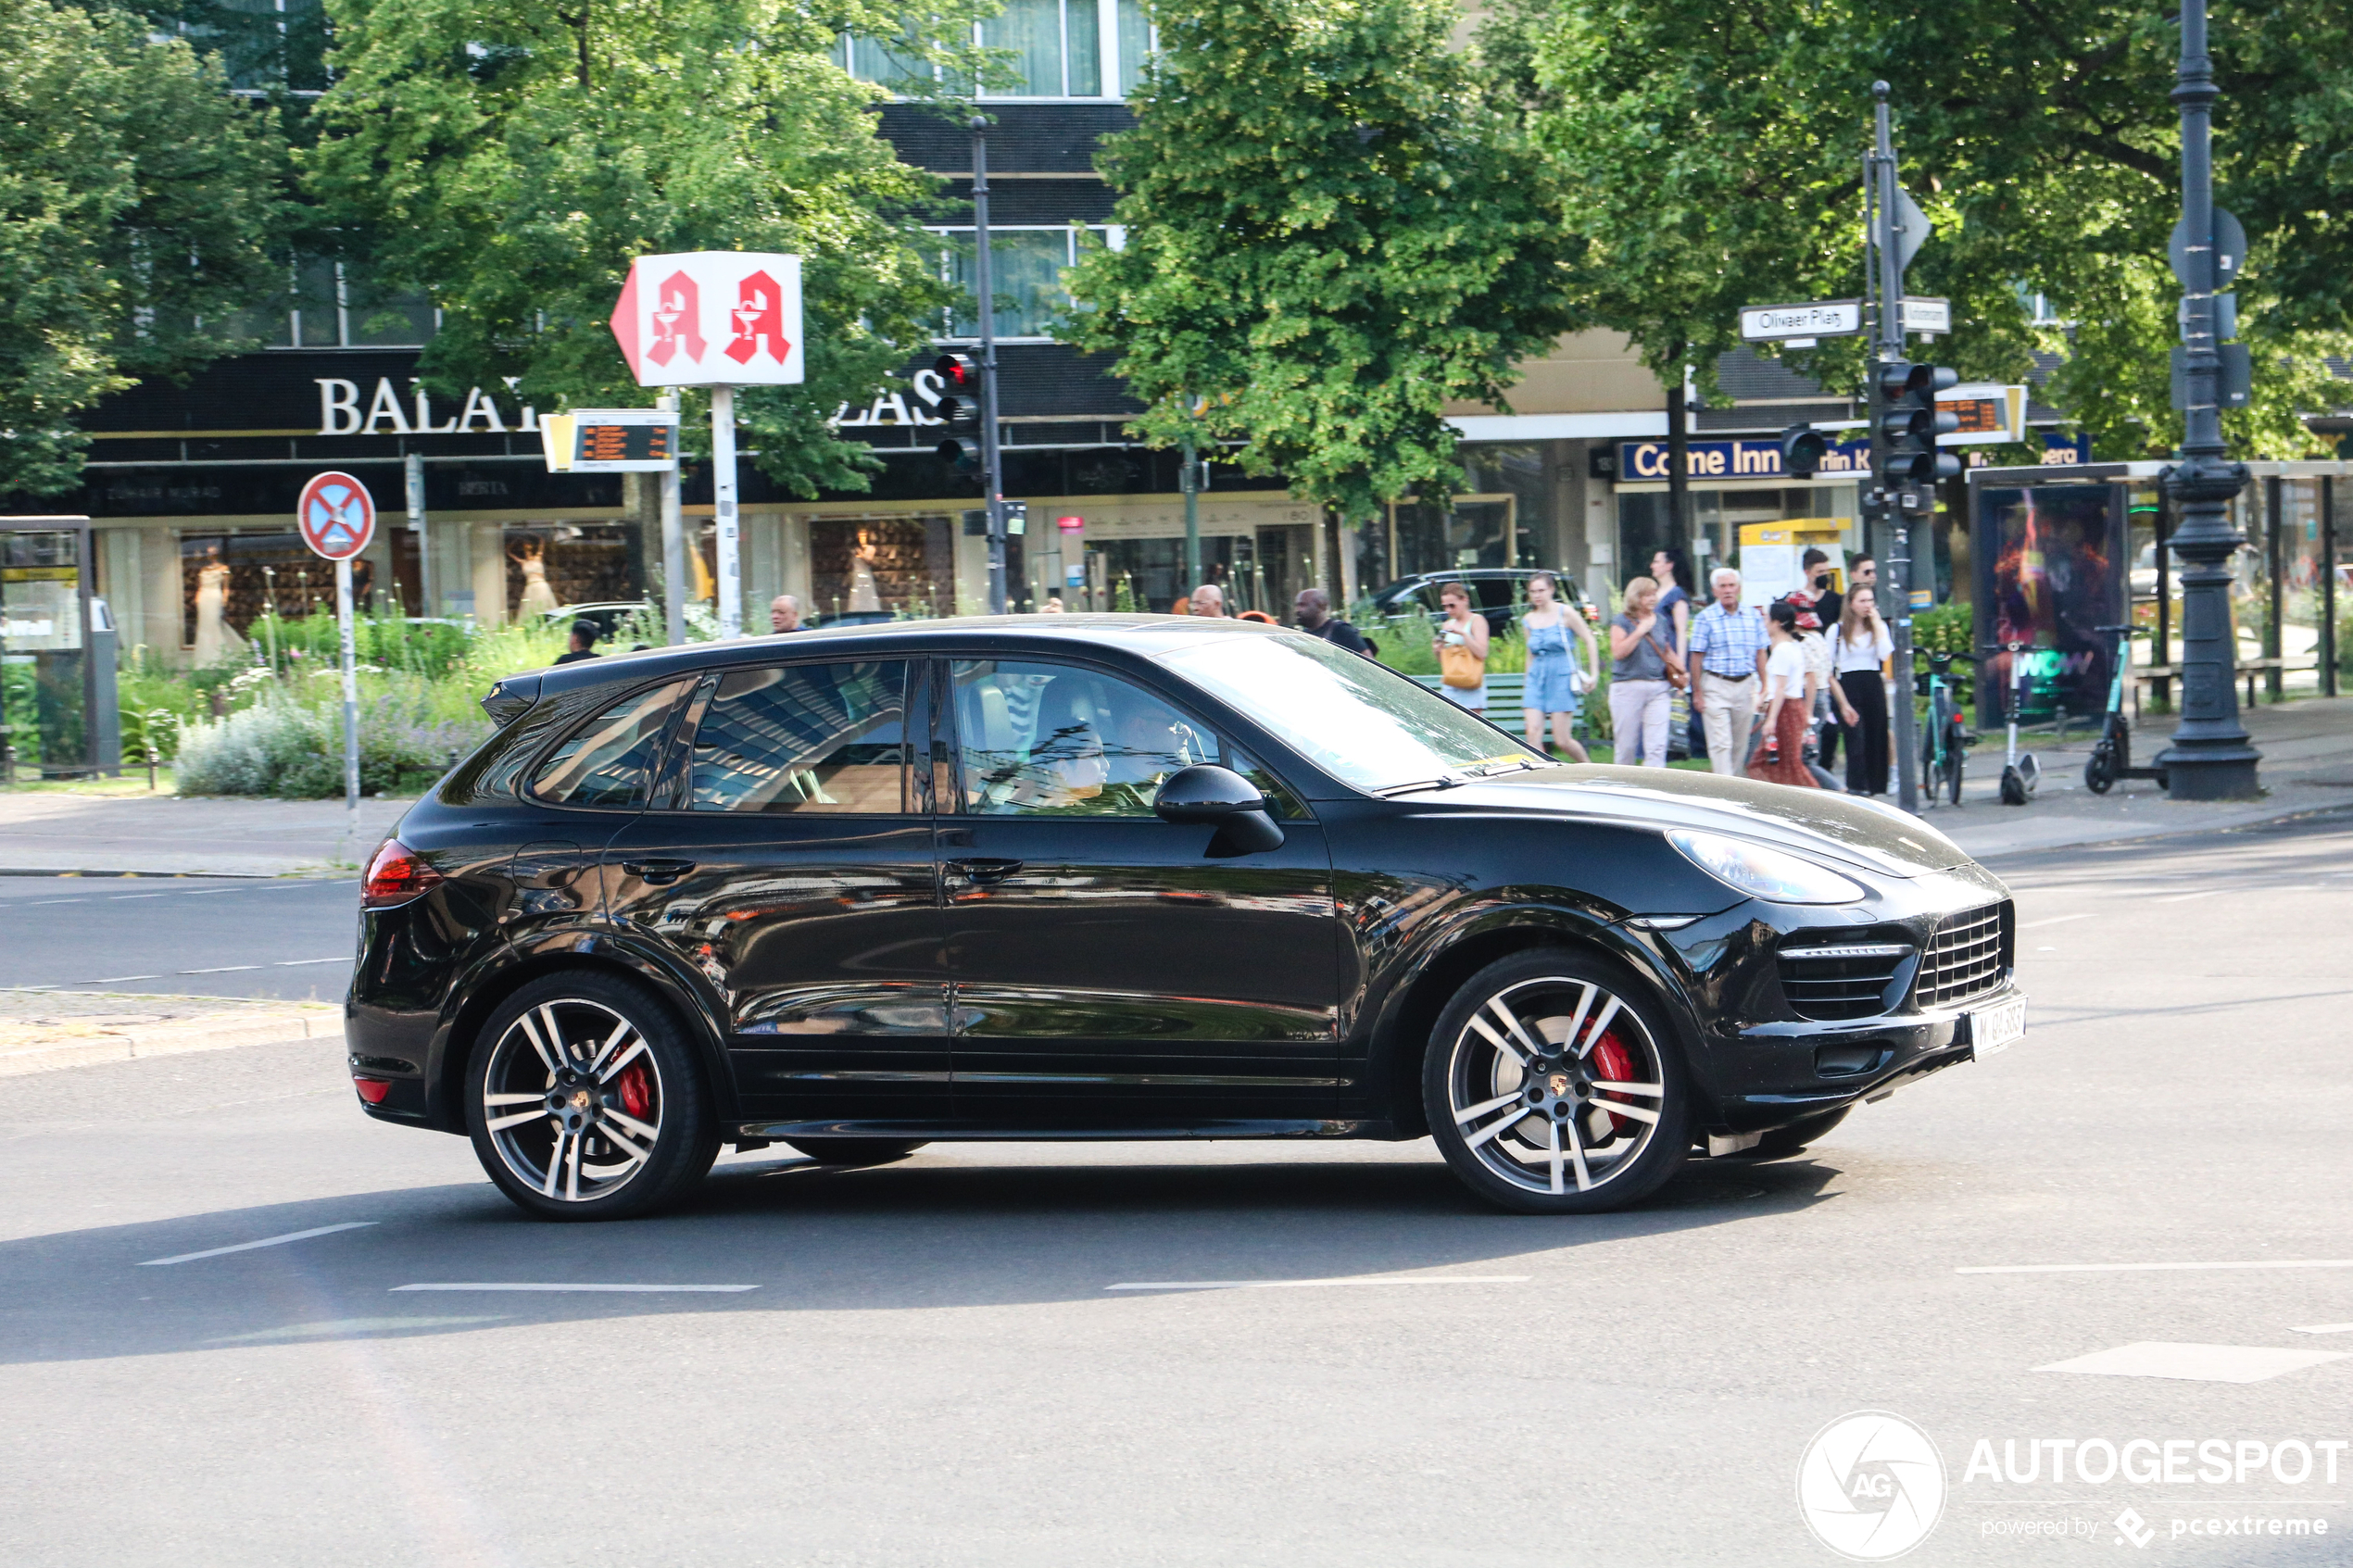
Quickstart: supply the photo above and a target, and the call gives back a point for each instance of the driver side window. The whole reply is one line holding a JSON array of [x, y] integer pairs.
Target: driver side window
[[1054, 739]]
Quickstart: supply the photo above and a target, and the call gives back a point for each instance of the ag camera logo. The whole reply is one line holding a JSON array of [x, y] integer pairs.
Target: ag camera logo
[[1872, 1485]]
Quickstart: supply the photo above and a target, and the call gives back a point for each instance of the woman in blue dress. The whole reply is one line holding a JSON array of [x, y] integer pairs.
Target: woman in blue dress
[[1549, 627]]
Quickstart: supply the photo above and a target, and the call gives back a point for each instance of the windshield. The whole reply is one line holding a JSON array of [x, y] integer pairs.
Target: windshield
[[1349, 716]]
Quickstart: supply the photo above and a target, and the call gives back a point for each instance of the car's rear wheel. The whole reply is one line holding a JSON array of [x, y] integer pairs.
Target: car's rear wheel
[[855, 1151], [585, 1101], [1550, 1088]]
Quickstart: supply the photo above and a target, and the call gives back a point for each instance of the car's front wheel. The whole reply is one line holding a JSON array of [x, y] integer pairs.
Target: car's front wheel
[[585, 1102], [1550, 1088]]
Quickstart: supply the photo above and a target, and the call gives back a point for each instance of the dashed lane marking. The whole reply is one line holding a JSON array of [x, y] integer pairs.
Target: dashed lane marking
[[265, 1241], [2151, 1268], [601, 1289], [1317, 1284], [2196, 1363]]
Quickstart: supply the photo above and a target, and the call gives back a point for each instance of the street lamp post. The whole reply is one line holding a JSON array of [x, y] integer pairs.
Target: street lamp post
[[992, 479], [2209, 759]]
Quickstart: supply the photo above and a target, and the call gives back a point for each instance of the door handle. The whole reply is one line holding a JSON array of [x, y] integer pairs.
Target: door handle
[[984, 870], [657, 873]]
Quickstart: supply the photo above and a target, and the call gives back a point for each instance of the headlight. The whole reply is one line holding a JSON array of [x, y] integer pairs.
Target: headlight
[[1765, 873]]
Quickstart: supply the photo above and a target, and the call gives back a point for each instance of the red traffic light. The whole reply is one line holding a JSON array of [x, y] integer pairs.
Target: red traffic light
[[958, 373]]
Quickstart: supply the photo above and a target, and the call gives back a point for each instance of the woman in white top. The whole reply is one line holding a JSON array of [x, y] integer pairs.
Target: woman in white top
[[1859, 645], [1781, 760]]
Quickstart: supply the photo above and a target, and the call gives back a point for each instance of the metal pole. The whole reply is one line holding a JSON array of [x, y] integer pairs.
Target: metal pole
[[723, 508], [350, 698], [1889, 348], [992, 483], [428, 580], [674, 573], [1189, 482], [2209, 759], [1679, 481], [2274, 644], [2328, 587]]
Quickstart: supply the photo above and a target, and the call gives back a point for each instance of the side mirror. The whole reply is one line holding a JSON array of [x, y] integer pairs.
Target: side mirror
[[1219, 797]]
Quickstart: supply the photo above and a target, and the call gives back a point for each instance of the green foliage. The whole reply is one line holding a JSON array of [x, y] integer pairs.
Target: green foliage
[[1331, 235], [513, 159], [1713, 160], [1949, 627], [137, 199]]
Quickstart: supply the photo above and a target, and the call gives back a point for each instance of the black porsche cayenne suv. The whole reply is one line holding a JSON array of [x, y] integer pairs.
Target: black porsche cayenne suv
[[1128, 877]]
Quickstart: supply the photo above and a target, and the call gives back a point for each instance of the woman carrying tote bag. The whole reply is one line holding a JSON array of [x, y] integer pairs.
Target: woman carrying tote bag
[[1645, 671]]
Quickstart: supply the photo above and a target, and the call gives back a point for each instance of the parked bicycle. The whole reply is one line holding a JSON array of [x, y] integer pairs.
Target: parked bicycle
[[1944, 745], [2112, 755]]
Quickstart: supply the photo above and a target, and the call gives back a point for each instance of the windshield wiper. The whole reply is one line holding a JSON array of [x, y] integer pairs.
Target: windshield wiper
[[1491, 769], [1443, 780]]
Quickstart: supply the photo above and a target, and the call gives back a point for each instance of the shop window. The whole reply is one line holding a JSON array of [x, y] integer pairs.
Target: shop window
[[608, 763], [903, 567], [552, 565], [230, 581], [805, 737]]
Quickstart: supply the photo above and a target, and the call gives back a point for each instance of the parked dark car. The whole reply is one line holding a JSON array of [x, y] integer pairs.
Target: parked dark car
[[1496, 592], [1114, 877]]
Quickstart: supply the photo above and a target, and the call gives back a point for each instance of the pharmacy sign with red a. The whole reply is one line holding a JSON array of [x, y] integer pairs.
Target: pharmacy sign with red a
[[336, 515], [712, 318]]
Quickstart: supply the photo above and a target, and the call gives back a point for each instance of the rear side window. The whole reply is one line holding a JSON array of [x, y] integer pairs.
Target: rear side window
[[608, 763], [805, 737]]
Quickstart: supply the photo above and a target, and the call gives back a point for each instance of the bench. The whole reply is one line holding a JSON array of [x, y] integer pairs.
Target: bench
[[2249, 668], [1505, 691]]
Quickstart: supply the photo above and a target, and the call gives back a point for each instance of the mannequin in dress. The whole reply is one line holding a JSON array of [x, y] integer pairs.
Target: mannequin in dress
[[863, 596], [539, 599], [217, 642]]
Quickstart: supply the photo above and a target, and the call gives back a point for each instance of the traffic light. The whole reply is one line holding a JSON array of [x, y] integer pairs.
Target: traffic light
[[960, 410], [1802, 449], [1905, 422]]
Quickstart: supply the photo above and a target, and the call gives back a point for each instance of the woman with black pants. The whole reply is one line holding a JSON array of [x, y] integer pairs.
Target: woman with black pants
[[1858, 646]]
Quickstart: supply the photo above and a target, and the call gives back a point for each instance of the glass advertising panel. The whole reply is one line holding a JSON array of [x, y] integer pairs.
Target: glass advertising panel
[[45, 669], [2051, 569]]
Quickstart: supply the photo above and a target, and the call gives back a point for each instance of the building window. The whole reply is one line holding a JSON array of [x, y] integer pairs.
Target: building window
[[1060, 48], [322, 308], [1026, 277]]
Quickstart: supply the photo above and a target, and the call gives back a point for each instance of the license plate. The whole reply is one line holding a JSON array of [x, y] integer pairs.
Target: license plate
[[1998, 1028]]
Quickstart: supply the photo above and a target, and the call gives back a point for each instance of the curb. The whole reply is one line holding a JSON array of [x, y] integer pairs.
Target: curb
[[2299, 814], [220, 1032]]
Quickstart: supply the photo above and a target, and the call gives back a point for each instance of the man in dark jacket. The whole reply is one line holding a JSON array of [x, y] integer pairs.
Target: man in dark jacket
[[1314, 611]]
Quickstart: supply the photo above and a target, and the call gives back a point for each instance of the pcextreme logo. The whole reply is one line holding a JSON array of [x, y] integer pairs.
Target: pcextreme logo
[[1872, 1485]]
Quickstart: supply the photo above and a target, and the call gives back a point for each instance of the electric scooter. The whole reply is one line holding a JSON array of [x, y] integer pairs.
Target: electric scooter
[[2112, 755], [2021, 773]]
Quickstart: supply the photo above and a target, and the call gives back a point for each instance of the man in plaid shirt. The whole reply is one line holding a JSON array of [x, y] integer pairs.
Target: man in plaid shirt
[[1727, 646]]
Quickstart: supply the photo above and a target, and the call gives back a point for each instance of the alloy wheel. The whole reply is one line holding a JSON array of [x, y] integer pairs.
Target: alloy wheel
[[1555, 1086], [573, 1100]]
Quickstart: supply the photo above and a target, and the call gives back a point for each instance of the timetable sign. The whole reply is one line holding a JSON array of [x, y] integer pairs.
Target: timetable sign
[[610, 440]]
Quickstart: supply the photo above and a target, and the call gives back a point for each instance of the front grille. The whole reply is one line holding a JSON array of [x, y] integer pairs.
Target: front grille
[[1833, 983], [1967, 956]]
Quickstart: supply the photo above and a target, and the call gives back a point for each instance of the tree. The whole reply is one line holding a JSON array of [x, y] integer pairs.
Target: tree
[[1713, 160], [511, 158], [137, 203], [1330, 235]]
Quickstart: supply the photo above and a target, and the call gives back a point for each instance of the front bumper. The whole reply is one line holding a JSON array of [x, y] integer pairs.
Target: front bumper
[[1775, 1074]]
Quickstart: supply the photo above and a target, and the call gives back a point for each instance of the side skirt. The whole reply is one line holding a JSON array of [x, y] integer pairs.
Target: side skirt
[[962, 1131]]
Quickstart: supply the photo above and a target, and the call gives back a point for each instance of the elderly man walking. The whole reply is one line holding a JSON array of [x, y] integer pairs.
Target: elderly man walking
[[1728, 645]]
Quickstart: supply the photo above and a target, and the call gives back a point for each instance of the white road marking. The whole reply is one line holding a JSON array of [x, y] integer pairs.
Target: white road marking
[[617, 1289], [117, 979], [224, 969], [2054, 919], [41, 901], [265, 1241], [118, 898], [2185, 897], [2327, 1328], [2200, 1363], [2150, 1268], [297, 963], [1313, 1284]]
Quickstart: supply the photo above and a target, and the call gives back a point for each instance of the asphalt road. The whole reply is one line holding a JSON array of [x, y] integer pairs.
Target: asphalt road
[[284, 937], [936, 1362]]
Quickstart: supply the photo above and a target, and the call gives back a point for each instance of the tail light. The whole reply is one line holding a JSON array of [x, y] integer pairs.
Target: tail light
[[396, 876], [372, 1090]]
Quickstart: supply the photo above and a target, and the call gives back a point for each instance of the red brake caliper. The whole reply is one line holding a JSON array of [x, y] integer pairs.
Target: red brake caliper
[[636, 1090], [1614, 1063]]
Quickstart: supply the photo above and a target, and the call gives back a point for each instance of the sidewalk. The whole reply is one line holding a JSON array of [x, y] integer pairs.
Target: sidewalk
[[165, 835], [2307, 766]]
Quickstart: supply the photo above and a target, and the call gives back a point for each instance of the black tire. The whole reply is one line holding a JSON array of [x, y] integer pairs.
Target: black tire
[[2099, 773], [624, 1124], [855, 1151], [1620, 1146], [1782, 1142]]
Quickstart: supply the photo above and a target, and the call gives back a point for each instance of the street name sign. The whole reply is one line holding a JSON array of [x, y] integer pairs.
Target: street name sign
[[610, 440], [1818, 319], [336, 515], [1924, 314]]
